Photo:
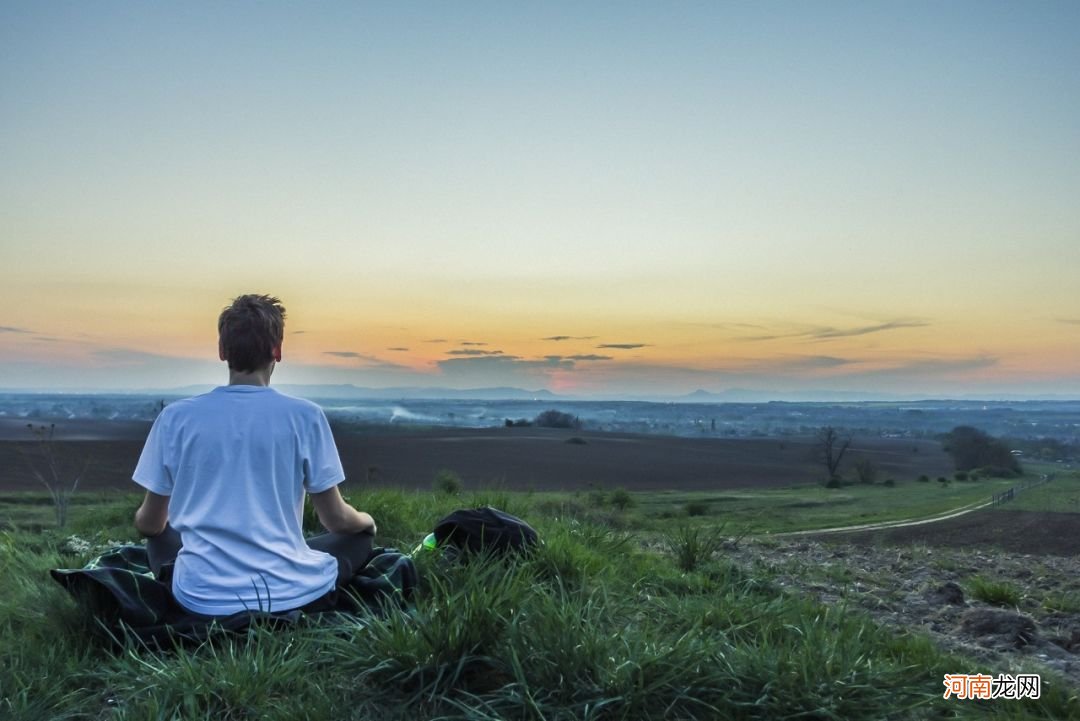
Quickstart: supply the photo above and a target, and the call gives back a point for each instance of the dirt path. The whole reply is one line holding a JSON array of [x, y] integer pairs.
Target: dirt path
[[903, 523], [946, 515]]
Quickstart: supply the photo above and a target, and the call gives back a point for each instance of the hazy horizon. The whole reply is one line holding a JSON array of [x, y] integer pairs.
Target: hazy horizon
[[600, 201]]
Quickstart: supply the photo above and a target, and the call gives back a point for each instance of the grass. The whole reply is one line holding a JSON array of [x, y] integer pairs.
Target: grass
[[996, 593], [1064, 601], [592, 626], [1061, 494], [693, 545]]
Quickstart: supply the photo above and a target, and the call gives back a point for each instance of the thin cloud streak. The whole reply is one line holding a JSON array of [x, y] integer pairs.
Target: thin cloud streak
[[824, 333], [936, 366], [569, 337], [827, 333], [575, 358], [623, 346], [369, 361], [474, 352], [9, 329], [502, 369], [590, 357]]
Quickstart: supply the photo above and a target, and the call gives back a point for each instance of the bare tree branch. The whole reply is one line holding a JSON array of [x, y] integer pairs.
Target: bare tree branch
[[831, 447]]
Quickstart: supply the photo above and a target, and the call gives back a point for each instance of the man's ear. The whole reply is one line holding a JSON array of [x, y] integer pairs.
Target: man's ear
[[277, 353], [221, 351]]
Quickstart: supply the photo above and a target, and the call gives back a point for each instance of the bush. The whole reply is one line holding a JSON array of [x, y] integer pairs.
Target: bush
[[889, 483], [960, 475], [924, 478], [621, 499], [448, 482], [597, 498], [557, 419], [697, 508]]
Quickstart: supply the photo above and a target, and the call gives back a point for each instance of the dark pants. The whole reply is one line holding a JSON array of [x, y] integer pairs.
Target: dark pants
[[352, 551]]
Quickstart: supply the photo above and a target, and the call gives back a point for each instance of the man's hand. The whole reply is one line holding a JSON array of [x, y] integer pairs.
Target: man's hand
[[152, 515], [337, 516]]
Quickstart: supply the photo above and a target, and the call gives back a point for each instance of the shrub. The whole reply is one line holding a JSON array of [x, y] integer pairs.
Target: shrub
[[834, 482], [448, 482], [697, 508], [960, 475], [621, 499], [924, 478], [889, 483]]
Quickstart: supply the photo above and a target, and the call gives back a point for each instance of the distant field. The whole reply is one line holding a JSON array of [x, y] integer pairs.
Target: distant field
[[525, 459]]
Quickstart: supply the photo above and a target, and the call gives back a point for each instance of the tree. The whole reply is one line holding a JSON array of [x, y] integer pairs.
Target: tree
[[831, 447], [971, 448], [58, 474]]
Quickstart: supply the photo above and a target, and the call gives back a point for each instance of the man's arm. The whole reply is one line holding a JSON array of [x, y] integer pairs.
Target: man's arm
[[152, 515], [337, 516]]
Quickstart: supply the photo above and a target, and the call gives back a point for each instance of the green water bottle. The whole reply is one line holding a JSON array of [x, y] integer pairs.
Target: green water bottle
[[428, 544]]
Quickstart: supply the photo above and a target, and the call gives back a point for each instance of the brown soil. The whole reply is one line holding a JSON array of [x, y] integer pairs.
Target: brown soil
[[513, 458]]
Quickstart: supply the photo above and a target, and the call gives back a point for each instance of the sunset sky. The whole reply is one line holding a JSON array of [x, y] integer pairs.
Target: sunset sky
[[599, 199]]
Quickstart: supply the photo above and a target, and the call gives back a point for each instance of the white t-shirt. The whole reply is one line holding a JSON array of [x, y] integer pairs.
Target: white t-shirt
[[236, 463]]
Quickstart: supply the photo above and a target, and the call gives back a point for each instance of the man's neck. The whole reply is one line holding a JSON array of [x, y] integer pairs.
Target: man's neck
[[259, 377]]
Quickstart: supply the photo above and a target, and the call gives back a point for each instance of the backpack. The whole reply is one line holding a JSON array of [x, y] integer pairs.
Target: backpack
[[485, 529]]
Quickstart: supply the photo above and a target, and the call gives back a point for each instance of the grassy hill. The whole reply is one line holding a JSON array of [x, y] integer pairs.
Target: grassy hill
[[601, 623]]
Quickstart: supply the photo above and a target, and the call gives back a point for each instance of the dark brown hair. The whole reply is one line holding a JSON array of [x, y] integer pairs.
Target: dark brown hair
[[249, 330]]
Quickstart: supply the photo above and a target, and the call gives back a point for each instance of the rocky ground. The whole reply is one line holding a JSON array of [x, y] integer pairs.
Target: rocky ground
[[1011, 612]]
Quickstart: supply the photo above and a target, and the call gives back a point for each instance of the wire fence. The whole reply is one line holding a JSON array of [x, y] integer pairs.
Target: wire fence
[[1010, 494]]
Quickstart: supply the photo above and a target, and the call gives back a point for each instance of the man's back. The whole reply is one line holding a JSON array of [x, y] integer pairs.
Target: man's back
[[236, 463]]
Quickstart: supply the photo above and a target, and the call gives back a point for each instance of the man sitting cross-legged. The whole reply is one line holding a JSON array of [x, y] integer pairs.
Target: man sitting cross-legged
[[225, 475]]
